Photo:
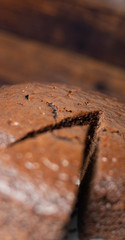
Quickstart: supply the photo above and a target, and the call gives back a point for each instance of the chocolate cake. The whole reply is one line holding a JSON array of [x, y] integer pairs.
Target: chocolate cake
[[51, 138]]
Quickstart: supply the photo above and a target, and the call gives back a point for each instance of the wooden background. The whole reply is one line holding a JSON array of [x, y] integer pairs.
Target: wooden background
[[79, 42]]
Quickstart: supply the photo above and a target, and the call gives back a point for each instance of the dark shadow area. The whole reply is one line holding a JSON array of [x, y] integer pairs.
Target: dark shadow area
[[4, 81], [71, 228], [84, 194]]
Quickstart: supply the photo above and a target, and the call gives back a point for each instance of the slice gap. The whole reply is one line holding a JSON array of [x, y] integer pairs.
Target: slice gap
[[88, 171], [91, 144], [89, 160], [84, 194]]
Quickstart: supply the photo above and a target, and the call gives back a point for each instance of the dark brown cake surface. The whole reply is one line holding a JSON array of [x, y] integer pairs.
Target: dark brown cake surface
[[48, 136], [39, 176]]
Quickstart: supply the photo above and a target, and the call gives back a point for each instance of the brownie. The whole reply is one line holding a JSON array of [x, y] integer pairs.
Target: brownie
[[40, 165], [51, 138], [39, 184]]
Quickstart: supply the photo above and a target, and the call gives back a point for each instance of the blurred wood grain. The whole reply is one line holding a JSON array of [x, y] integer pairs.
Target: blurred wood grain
[[28, 61], [92, 27]]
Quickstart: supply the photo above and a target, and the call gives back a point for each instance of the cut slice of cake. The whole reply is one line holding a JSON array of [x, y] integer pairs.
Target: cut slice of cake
[[39, 180]]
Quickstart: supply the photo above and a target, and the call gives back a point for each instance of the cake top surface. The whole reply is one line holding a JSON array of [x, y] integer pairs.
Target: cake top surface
[[30, 107], [47, 133]]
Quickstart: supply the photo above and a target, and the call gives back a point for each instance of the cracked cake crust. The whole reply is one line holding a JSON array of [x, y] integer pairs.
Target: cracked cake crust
[[37, 115]]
